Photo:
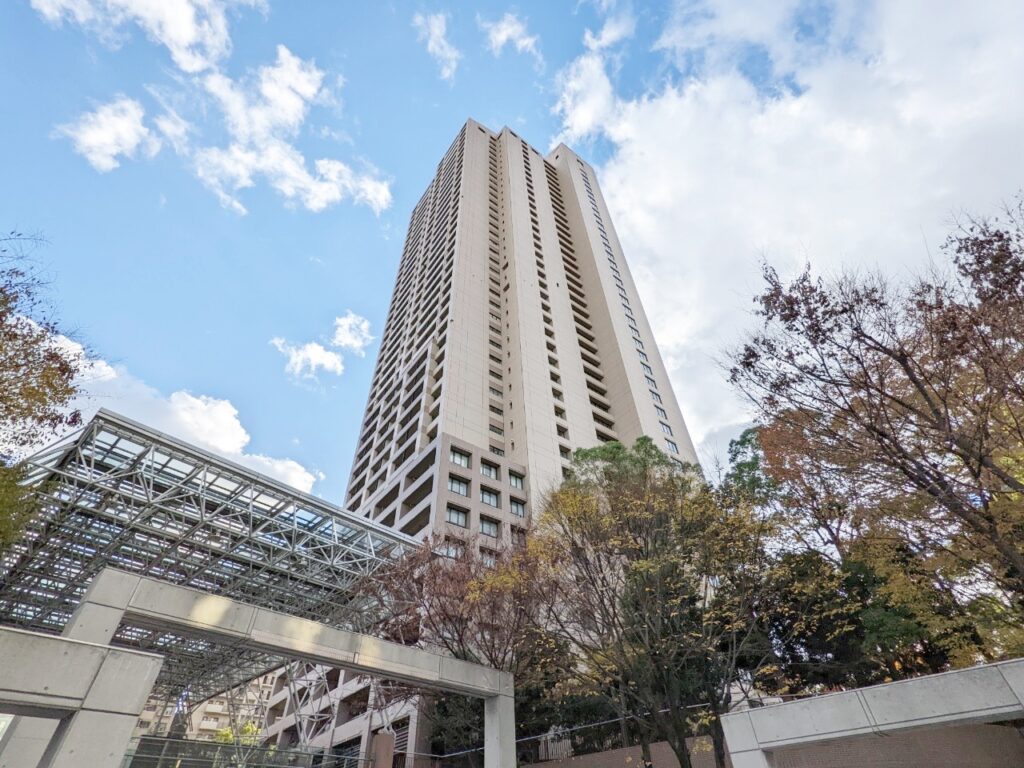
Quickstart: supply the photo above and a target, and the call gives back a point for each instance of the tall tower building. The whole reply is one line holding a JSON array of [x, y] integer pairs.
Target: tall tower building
[[515, 336]]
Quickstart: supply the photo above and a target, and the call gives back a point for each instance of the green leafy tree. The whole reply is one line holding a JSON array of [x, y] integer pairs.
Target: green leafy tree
[[856, 603], [37, 376], [658, 582]]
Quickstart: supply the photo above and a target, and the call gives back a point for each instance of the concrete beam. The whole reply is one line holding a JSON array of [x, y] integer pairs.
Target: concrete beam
[[988, 693], [159, 605], [93, 692], [116, 596]]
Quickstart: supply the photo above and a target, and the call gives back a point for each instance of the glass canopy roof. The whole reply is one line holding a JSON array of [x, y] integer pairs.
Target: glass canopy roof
[[117, 493]]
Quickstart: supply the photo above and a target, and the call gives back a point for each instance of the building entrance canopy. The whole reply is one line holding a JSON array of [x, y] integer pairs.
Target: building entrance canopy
[[119, 494]]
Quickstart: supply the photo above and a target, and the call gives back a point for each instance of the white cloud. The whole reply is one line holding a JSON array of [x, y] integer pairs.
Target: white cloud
[[352, 333], [510, 30], [194, 32], [110, 131], [175, 129], [586, 100], [614, 31], [277, 104], [305, 361], [869, 132], [433, 28], [263, 117], [207, 422]]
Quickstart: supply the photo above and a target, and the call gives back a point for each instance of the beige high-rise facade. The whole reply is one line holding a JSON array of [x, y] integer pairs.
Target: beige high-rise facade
[[515, 336]]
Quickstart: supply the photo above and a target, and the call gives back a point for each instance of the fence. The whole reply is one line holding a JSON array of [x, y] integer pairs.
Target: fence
[[160, 752], [557, 744]]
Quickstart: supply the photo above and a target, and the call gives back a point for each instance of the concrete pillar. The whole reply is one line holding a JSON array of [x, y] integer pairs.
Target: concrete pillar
[[741, 741], [88, 738], [382, 749], [25, 740], [500, 732], [94, 621], [750, 760]]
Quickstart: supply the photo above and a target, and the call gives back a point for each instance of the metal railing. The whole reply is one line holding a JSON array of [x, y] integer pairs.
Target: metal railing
[[161, 752], [557, 744]]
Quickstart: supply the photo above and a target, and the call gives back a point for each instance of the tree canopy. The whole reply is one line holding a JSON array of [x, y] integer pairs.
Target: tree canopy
[[37, 376]]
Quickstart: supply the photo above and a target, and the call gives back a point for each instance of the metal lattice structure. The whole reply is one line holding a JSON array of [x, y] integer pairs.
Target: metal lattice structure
[[117, 493], [314, 699]]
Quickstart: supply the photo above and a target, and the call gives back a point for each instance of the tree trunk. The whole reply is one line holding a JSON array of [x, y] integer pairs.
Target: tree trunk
[[645, 752], [681, 751], [718, 740]]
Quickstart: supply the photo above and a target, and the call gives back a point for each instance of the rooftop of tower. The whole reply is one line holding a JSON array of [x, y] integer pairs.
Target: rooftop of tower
[[471, 122]]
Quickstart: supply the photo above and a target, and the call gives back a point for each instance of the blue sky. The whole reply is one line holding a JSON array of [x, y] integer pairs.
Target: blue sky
[[225, 185]]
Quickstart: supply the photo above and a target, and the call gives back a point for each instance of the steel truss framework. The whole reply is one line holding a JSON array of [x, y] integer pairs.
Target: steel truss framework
[[120, 494]]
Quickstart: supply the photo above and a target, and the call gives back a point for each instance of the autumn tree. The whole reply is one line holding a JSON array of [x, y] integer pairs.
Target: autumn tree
[[659, 582], [894, 434], [484, 611], [37, 376]]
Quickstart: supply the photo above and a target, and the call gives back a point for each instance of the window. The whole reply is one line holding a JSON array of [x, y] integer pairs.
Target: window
[[496, 430], [672, 446], [647, 369], [656, 397], [515, 480], [496, 410], [638, 344], [458, 485], [142, 724], [458, 517], [660, 411], [665, 428], [488, 470], [497, 451], [489, 527], [518, 507], [488, 558], [460, 458], [643, 355], [495, 392], [451, 549], [650, 382], [518, 537], [490, 498]]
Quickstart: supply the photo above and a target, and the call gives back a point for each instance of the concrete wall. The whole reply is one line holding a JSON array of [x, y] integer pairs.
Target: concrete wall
[[917, 713], [963, 746], [701, 755], [977, 746]]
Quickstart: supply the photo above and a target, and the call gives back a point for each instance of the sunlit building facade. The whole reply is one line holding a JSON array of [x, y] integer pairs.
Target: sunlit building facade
[[515, 336]]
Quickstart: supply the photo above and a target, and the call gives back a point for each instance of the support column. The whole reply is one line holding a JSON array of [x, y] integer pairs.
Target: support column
[[25, 741], [500, 732], [96, 739], [95, 621], [382, 749], [80, 700], [741, 741]]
